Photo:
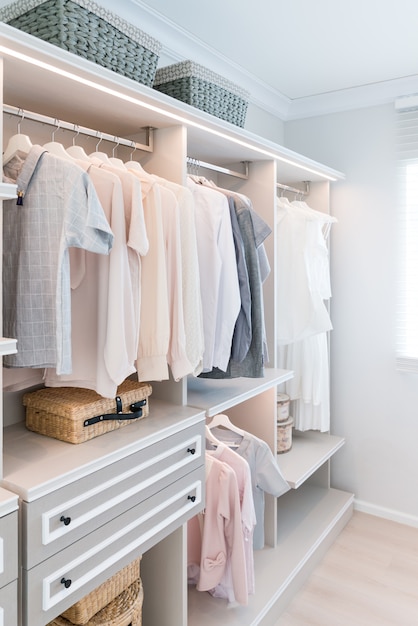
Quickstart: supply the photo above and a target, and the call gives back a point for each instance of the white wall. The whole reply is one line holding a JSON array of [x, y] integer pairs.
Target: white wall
[[373, 406]]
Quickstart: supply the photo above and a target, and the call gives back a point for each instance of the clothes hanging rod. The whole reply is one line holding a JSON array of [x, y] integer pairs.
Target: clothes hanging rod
[[217, 168], [82, 130], [304, 192]]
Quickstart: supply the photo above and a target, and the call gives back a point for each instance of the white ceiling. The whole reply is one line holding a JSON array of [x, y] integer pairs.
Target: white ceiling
[[296, 58], [300, 53]]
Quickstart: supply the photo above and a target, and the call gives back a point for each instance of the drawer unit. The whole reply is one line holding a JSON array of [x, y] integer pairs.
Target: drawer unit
[[55, 584], [88, 510], [9, 605], [8, 548], [9, 567], [57, 520]]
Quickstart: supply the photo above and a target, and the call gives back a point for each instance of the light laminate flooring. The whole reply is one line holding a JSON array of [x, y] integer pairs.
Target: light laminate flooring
[[369, 577]]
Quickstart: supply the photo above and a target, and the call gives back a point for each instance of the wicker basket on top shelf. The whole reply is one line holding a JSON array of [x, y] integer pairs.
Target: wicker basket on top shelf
[[205, 90], [90, 31]]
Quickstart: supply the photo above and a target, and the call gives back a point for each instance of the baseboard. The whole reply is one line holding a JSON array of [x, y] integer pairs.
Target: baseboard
[[380, 511]]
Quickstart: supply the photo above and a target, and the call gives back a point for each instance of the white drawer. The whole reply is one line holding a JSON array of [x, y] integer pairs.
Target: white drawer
[[8, 548], [55, 584], [57, 520], [9, 604]]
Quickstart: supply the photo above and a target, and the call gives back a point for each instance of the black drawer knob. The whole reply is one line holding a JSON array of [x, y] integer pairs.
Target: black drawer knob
[[66, 582], [65, 520], [191, 450], [192, 498]]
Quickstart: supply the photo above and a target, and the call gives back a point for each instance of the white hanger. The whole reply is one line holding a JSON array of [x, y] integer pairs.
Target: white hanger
[[223, 420], [56, 148], [117, 163], [17, 143], [114, 160], [211, 437], [100, 155], [133, 165], [77, 152]]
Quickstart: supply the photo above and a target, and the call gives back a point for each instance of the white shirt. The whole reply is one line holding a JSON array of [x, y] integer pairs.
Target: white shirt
[[219, 285]]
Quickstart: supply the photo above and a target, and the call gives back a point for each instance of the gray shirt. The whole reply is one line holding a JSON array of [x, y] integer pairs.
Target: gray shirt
[[59, 210]]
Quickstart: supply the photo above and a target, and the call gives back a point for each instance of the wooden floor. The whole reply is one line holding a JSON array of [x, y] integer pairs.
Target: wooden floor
[[369, 577]]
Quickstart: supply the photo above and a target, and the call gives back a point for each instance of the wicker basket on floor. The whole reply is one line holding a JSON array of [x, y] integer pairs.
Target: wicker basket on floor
[[83, 610], [90, 31], [125, 610]]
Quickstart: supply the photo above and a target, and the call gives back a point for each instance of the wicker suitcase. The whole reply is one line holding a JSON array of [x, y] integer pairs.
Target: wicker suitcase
[[75, 415], [124, 610], [83, 610], [85, 28]]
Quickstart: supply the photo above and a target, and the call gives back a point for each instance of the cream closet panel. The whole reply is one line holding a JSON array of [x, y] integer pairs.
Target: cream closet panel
[[46, 474]]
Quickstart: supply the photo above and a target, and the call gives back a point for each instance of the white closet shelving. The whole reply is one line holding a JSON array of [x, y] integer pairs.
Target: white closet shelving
[[48, 81]]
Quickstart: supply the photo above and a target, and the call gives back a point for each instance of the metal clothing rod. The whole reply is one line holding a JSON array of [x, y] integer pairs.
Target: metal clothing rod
[[304, 192], [217, 168], [59, 124]]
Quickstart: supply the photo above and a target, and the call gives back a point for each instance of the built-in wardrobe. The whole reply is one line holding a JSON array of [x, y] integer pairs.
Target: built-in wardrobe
[[82, 512]]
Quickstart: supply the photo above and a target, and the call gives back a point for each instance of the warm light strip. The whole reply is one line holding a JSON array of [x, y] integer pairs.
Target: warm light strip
[[151, 107]]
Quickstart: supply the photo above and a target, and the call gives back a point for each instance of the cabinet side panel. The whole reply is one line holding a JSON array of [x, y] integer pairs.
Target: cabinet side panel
[[165, 581]]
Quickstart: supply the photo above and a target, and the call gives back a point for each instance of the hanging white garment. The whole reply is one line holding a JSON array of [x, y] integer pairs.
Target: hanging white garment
[[303, 319], [221, 301], [301, 285], [154, 335], [309, 388], [192, 303]]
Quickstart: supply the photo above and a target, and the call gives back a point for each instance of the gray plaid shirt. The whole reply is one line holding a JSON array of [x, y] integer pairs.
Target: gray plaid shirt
[[60, 210]]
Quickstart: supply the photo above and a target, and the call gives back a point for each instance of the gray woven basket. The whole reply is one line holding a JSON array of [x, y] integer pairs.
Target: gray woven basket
[[88, 30], [205, 90]]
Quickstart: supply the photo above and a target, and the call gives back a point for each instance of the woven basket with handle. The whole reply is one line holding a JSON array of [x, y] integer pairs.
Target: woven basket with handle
[[75, 415]]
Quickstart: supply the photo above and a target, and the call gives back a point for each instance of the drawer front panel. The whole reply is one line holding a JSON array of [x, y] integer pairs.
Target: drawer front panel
[[9, 604], [8, 548], [54, 585], [56, 521]]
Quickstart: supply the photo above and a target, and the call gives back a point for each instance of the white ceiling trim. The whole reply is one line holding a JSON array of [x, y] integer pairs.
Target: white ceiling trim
[[179, 44], [355, 98]]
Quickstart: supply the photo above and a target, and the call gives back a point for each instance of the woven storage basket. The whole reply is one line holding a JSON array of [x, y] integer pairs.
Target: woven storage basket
[[125, 610], [196, 85], [90, 31], [92, 603], [75, 415]]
